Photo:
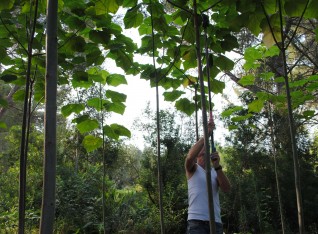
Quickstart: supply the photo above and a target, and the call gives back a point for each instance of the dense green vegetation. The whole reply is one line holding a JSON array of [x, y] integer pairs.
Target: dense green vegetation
[[132, 191], [266, 50]]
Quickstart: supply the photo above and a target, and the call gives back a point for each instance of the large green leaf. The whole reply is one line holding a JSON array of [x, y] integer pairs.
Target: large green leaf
[[19, 95], [3, 124], [87, 125], [190, 57], [74, 44], [129, 3], [256, 106], [308, 114], [92, 143], [106, 6], [100, 36], [247, 80], [311, 11], [81, 79], [116, 107], [120, 130], [116, 79], [173, 95], [229, 43], [97, 103], [8, 78], [230, 111], [96, 71], [122, 59], [295, 8], [72, 108], [185, 106], [252, 54], [241, 118], [114, 131], [116, 96], [6, 4], [224, 63], [133, 18], [217, 86]]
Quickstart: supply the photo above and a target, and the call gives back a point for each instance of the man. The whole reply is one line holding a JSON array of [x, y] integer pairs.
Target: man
[[198, 211]]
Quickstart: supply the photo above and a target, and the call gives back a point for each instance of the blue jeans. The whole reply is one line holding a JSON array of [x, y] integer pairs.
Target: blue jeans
[[202, 227]]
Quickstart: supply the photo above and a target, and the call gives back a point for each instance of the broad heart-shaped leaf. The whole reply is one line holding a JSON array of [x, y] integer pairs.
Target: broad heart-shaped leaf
[[241, 118], [256, 106], [3, 124], [121, 58], [232, 127], [231, 110], [92, 143], [100, 36], [173, 95], [116, 79], [8, 78], [299, 98], [267, 76], [224, 63], [247, 80], [254, 20], [72, 108], [311, 11], [299, 83], [145, 28], [217, 86], [129, 3], [114, 131], [116, 96], [19, 95], [97, 103], [98, 75], [116, 107], [87, 125], [185, 106], [6, 4], [295, 8], [308, 114], [81, 79], [73, 44], [251, 55], [272, 51], [133, 18], [103, 7], [190, 57]]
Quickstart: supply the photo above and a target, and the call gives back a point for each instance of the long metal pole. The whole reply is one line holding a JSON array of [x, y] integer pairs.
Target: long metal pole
[[205, 21], [205, 122], [158, 130]]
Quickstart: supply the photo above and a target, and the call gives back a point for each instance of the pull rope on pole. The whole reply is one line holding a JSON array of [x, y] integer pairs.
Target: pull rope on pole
[[158, 128], [205, 124], [205, 21]]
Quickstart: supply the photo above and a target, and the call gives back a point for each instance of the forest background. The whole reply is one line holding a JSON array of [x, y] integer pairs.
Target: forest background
[[101, 183]]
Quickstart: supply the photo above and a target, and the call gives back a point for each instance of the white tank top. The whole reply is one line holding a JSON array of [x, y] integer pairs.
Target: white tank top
[[198, 196]]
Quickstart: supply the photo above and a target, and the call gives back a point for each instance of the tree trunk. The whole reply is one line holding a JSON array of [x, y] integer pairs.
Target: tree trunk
[[48, 199]]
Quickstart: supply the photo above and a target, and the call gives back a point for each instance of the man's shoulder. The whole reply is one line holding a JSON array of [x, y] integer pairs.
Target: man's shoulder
[[190, 172]]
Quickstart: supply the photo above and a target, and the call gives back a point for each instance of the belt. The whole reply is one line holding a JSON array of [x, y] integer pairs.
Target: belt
[[199, 221]]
